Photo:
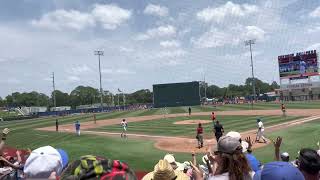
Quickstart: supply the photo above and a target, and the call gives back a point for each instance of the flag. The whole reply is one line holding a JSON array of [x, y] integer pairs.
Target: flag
[[119, 90]]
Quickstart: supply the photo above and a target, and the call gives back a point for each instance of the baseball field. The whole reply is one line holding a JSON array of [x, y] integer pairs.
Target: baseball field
[[153, 133]]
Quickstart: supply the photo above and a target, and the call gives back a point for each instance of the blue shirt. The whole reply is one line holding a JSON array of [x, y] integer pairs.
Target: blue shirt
[[253, 162]]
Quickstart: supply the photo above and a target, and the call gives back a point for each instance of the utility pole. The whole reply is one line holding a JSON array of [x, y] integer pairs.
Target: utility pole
[[205, 86], [54, 91], [249, 43], [100, 53]]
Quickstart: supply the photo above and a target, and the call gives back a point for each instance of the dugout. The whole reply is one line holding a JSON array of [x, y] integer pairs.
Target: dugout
[[176, 94]]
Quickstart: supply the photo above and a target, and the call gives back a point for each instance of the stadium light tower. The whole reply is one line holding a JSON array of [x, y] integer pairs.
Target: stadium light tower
[[100, 53], [249, 43], [54, 91]]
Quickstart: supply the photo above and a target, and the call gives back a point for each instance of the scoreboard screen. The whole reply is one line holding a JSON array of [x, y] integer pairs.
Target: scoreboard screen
[[299, 65]]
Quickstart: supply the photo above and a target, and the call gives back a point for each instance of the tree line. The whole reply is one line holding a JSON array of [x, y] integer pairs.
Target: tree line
[[84, 95]]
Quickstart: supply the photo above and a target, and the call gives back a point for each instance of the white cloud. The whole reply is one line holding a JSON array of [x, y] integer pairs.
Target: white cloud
[[315, 13], [254, 32], [120, 71], [60, 19], [214, 38], [73, 79], [13, 81], [232, 36], [315, 46], [125, 49], [79, 69], [110, 16], [229, 9], [171, 43], [171, 54], [161, 31], [156, 10]]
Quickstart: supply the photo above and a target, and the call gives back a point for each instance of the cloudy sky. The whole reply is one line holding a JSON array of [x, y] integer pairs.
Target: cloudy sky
[[148, 42]]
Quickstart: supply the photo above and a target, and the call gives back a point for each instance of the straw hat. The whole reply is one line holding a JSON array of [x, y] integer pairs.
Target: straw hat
[[164, 171]]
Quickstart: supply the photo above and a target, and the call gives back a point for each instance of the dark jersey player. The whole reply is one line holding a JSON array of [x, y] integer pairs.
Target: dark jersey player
[[218, 130]]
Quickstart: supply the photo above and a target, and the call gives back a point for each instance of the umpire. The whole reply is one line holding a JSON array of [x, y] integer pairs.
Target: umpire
[[218, 130]]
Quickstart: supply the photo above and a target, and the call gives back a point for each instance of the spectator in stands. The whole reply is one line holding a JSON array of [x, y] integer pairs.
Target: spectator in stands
[[164, 171], [247, 150], [229, 163], [3, 139], [200, 136], [278, 171], [45, 161], [284, 156], [172, 161], [99, 168], [309, 164]]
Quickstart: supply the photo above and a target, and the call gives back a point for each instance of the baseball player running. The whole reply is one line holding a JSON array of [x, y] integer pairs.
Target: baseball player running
[[260, 131], [124, 126]]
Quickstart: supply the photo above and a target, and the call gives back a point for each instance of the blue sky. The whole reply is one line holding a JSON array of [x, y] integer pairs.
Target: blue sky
[[148, 42]]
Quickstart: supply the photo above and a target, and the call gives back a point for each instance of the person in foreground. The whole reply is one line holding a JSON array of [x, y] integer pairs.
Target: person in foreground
[[278, 170], [228, 162], [309, 164]]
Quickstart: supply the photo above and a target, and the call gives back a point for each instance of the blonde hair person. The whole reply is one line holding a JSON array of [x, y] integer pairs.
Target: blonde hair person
[[229, 161]]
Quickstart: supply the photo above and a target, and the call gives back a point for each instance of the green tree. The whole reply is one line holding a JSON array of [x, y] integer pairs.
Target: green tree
[[62, 99], [82, 95], [140, 96]]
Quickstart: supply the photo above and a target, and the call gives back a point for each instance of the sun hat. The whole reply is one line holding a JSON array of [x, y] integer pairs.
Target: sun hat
[[43, 161], [164, 171], [229, 145], [278, 171], [237, 135]]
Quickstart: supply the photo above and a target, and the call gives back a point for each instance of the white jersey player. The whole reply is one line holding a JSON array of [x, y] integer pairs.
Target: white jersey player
[[124, 126], [260, 131]]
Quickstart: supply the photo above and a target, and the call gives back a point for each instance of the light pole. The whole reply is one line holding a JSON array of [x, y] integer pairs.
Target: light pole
[[249, 43], [100, 53], [54, 92]]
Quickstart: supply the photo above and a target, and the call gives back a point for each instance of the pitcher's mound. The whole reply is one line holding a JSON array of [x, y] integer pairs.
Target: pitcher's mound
[[188, 122]]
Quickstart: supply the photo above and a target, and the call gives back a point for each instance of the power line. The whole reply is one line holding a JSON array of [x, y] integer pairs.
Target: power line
[[100, 53]]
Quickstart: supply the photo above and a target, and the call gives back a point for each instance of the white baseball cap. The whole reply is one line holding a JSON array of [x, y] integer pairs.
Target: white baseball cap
[[170, 158], [237, 135], [42, 162]]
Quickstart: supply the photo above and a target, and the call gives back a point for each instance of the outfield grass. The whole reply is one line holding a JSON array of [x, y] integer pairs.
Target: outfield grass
[[141, 154], [294, 138], [166, 126]]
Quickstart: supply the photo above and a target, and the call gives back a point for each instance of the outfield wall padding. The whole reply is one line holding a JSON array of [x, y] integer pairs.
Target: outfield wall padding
[[176, 94]]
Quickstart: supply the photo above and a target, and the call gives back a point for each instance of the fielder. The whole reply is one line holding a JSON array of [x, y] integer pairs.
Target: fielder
[[260, 131], [283, 109], [77, 126], [124, 126]]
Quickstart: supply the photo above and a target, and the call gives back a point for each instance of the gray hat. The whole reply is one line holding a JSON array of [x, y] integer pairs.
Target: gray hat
[[227, 144]]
